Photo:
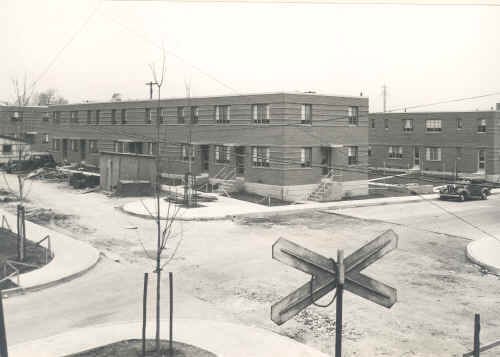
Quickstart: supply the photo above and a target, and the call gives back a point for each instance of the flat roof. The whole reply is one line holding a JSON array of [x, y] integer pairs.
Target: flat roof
[[254, 94]]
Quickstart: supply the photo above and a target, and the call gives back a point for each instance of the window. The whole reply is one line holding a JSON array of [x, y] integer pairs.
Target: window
[[147, 116], [458, 153], [56, 117], [352, 114], [123, 116], [433, 154], [261, 113], [222, 154], [386, 124], [460, 123], [7, 149], [306, 157], [97, 116], [113, 116], [372, 123], [408, 125], [433, 125], [74, 145], [395, 152], [352, 155], [89, 116], [45, 138], [181, 115], [131, 147], [163, 115], [222, 114], [93, 148], [56, 144], [481, 125], [186, 148], [15, 116], [73, 117], [45, 117], [260, 156], [306, 113], [369, 151], [149, 148], [481, 162], [195, 114]]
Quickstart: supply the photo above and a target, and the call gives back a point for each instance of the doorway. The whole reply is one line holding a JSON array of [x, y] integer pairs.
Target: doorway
[[240, 160], [326, 160], [416, 157], [83, 149], [205, 155], [65, 149]]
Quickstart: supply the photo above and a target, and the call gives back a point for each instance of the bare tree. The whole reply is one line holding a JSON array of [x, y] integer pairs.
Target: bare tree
[[116, 97], [49, 97], [165, 231], [22, 91]]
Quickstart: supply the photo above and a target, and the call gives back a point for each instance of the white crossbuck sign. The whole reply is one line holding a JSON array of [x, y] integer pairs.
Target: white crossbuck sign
[[325, 276]]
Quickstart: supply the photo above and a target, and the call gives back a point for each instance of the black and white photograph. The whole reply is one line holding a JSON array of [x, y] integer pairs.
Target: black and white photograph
[[238, 178]]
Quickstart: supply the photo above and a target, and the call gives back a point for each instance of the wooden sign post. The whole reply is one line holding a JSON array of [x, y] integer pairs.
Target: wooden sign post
[[328, 274]]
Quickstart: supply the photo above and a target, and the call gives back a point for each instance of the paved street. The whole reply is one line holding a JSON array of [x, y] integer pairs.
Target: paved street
[[431, 215], [223, 271]]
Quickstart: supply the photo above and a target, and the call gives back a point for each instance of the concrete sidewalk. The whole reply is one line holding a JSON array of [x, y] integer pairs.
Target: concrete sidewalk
[[221, 338], [486, 253], [227, 208], [71, 258]]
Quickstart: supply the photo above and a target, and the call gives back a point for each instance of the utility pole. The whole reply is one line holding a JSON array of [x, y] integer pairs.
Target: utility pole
[[384, 96], [151, 84]]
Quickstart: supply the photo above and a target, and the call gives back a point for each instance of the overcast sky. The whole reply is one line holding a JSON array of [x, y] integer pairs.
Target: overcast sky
[[423, 53]]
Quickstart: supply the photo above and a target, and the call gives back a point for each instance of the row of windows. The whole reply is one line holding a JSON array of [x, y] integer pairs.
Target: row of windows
[[261, 155], [75, 145], [260, 113], [432, 125], [431, 153]]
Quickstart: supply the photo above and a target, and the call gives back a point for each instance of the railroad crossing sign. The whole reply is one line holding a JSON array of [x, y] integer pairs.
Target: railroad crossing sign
[[328, 274]]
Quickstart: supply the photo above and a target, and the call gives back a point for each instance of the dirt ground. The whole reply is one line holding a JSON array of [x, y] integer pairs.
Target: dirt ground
[[228, 264], [133, 348]]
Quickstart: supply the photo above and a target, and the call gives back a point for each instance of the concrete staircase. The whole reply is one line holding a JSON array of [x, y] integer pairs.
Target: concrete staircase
[[321, 192], [226, 180]]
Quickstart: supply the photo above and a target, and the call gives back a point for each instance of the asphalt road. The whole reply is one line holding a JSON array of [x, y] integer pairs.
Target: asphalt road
[[439, 216], [223, 271]]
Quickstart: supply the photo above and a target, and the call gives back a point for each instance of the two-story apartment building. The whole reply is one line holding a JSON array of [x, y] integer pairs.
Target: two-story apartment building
[[463, 143], [278, 144]]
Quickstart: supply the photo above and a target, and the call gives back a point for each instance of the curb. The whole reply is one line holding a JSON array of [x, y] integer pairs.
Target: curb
[[491, 269], [333, 206], [21, 291]]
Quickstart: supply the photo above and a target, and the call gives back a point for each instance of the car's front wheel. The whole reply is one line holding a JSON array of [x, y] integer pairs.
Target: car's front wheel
[[484, 196], [461, 197]]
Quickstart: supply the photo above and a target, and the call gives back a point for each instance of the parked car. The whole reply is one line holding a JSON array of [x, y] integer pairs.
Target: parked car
[[465, 190], [32, 162]]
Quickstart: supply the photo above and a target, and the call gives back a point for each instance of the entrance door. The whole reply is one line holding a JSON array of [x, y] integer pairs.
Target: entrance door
[[326, 160], [83, 149], [416, 157], [240, 160], [204, 151], [65, 149]]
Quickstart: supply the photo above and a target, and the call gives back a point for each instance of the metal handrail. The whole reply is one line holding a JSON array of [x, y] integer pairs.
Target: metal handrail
[[48, 249], [4, 220], [16, 272]]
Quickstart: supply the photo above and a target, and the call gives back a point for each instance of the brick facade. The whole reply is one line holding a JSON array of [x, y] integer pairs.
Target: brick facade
[[462, 144]]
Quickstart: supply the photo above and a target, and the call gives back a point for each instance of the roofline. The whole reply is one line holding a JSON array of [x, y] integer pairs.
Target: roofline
[[211, 97], [435, 112]]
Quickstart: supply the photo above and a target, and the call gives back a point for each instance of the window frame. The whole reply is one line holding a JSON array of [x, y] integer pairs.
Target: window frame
[[261, 156], [353, 115], [306, 114], [306, 156], [431, 125], [352, 155]]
